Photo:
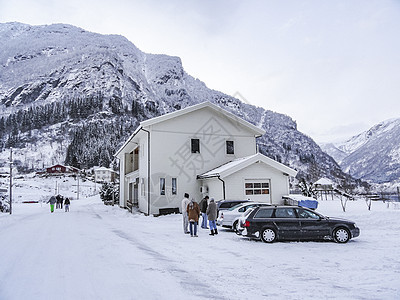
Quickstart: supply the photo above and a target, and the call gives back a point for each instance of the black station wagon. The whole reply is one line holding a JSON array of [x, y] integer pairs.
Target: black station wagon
[[293, 223]]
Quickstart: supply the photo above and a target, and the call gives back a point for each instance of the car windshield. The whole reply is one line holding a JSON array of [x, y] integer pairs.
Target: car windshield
[[236, 206]]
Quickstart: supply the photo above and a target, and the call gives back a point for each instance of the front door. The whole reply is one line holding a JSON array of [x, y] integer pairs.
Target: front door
[[257, 190], [136, 192], [312, 225]]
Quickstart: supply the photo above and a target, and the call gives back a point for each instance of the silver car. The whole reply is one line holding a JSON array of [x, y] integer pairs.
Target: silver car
[[229, 218]]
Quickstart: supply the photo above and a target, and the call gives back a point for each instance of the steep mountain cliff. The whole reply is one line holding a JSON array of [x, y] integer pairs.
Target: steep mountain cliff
[[373, 155], [73, 96]]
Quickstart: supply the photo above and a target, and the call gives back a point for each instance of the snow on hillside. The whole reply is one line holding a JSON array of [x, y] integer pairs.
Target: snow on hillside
[[355, 142], [372, 155], [104, 252], [52, 75]]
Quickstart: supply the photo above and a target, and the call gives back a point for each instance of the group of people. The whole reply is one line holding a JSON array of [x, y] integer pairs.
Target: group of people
[[191, 211], [59, 201]]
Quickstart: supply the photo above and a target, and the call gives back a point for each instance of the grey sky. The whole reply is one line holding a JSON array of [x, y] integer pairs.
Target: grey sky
[[333, 66]]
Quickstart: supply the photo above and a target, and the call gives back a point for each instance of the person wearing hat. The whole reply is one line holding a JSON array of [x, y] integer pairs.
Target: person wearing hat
[[212, 216], [193, 210]]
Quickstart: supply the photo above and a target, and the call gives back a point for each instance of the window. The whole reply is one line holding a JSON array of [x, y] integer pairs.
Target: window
[[264, 213], [306, 214], [162, 186], [285, 213], [230, 149], [256, 188], [195, 145], [174, 186]]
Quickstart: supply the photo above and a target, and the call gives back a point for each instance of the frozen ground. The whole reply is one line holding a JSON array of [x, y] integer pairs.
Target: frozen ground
[[104, 252]]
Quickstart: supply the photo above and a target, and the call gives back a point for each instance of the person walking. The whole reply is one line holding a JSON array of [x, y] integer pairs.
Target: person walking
[[203, 208], [185, 203], [66, 204], [52, 201], [212, 216], [58, 199], [193, 210]]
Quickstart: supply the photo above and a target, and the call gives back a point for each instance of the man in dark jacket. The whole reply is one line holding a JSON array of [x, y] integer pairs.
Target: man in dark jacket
[[66, 204], [212, 216], [203, 209]]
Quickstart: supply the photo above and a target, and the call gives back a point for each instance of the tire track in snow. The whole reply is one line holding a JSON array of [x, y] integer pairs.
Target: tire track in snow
[[186, 279]]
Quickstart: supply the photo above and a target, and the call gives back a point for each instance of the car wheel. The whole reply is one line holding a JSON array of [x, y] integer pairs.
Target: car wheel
[[268, 235], [341, 235], [235, 226]]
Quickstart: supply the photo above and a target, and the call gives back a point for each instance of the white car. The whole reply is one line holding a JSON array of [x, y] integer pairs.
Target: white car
[[230, 217]]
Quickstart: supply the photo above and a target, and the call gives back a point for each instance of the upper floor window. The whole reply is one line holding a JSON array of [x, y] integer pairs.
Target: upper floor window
[[195, 145], [230, 149]]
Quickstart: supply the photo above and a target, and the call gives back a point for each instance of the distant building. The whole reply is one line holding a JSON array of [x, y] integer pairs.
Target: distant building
[[105, 175], [324, 184], [61, 169]]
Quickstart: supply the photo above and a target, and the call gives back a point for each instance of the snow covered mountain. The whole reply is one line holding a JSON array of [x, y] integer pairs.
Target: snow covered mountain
[[73, 96], [372, 155]]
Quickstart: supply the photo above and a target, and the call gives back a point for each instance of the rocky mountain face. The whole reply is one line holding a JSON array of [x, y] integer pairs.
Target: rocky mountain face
[[373, 155], [72, 96]]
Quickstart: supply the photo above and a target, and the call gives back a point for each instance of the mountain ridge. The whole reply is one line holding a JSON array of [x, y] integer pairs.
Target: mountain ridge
[[100, 87], [372, 155]]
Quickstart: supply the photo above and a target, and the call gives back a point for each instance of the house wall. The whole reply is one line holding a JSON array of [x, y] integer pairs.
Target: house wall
[[235, 184], [214, 188], [127, 175], [279, 183], [171, 155]]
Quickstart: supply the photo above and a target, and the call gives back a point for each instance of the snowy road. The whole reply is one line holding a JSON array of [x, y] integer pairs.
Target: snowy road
[[102, 252]]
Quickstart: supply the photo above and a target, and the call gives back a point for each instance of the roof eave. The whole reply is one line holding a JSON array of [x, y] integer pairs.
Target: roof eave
[[128, 140]]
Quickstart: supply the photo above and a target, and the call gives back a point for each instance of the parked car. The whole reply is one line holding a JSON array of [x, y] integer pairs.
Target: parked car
[[281, 223], [226, 204], [230, 217]]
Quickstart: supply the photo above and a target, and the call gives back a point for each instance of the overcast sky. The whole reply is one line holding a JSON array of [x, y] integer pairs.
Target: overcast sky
[[333, 66]]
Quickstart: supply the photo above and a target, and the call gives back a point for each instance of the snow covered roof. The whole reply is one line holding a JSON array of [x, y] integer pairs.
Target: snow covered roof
[[103, 169], [324, 181], [298, 197], [240, 163], [177, 113]]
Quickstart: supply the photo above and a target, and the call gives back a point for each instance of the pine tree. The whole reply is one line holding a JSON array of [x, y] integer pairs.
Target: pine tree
[[108, 193]]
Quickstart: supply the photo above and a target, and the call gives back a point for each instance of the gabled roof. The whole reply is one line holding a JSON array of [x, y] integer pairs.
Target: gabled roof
[[177, 113], [257, 131], [241, 163]]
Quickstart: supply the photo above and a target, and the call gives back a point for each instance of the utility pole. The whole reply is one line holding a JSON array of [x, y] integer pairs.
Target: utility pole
[[77, 190], [398, 193], [11, 166]]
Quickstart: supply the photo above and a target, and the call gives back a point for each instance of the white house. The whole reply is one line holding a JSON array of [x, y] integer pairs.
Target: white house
[[200, 150], [103, 174]]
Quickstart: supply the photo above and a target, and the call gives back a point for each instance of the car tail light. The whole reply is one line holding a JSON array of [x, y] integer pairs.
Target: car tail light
[[222, 215], [246, 224]]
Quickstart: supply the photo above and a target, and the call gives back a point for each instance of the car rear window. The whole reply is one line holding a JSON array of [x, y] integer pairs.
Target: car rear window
[[264, 213], [225, 205]]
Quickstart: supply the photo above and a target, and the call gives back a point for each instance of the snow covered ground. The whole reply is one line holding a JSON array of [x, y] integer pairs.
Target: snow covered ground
[[104, 252]]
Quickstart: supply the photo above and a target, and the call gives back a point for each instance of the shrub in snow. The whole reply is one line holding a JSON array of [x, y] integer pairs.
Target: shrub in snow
[[109, 192]]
